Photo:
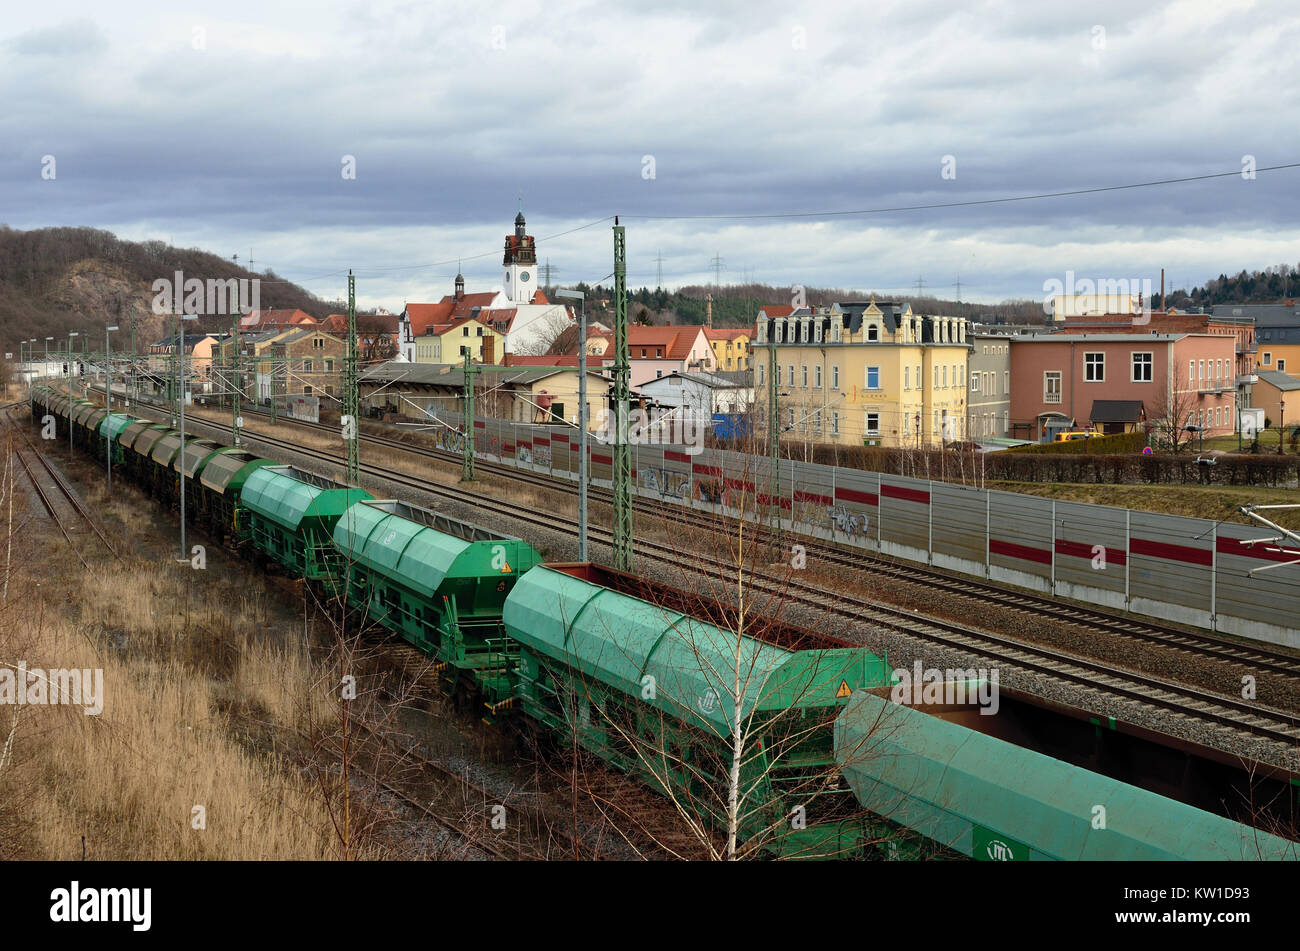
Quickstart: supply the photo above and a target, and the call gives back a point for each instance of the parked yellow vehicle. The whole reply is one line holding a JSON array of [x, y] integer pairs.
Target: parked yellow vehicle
[[1076, 434]]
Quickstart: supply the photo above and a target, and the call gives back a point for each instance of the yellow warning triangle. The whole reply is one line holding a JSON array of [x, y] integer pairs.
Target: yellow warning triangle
[[506, 569], [844, 690]]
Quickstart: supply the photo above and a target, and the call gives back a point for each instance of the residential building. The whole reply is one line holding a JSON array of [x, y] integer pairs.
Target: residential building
[[1276, 394], [1057, 380], [309, 362], [655, 352], [1277, 333], [377, 334], [988, 404], [1238, 326], [865, 372], [199, 348], [448, 343], [697, 396], [1115, 300], [730, 346]]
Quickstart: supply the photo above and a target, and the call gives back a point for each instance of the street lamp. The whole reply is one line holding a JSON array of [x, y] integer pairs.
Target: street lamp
[[70, 335], [108, 405], [582, 419], [180, 355], [31, 352]]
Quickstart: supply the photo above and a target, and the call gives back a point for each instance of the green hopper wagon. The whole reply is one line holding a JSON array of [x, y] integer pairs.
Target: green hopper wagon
[[291, 515], [992, 800], [441, 584], [222, 479], [636, 671]]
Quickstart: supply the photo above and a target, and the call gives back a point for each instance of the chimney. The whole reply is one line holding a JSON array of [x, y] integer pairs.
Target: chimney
[[708, 311], [1162, 290]]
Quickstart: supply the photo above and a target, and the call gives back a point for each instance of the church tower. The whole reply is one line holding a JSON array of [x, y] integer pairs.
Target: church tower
[[521, 264]]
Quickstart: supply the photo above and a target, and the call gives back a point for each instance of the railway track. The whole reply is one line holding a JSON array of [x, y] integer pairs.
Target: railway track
[[61, 503], [980, 593], [1248, 719]]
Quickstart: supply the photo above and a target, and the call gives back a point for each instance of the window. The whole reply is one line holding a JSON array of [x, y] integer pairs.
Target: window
[[643, 353], [817, 378], [871, 422], [835, 422], [480, 331], [307, 366], [464, 351], [306, 391], [760, 374], [658, 375], [835, 378], [873, 378], [945, 374], [817, 421], [974, 382], [1006, 381], [1052, 386], [1281, 365], [1191, 372], [790, 374], [329, 366], [1094, 367], [907, 425], [659, 352], [907, 378], [1200, 370], [791, 426], [873, 332], [1142, 367], [1266, 358], [803, 376], [464, 331], [936, 378]]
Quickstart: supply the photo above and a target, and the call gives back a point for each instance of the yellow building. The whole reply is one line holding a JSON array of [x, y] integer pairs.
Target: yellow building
[[868, 373], [446, 343], [731, 347]]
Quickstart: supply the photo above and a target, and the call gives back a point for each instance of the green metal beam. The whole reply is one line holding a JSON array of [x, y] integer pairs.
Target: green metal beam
[[467, 461], [351, 404], [621, 396], [774, 443], [236, 384]]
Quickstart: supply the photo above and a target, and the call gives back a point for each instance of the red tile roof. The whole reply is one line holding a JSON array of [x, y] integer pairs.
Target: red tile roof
[[777, 310], [445, 311], [266, 319], [675, 342], [727, 333], [366, 323]]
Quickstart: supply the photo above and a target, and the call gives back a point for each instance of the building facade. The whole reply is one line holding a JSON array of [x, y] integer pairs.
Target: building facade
[[865, 373], [988, 404], [1058, 379], [730, 347]]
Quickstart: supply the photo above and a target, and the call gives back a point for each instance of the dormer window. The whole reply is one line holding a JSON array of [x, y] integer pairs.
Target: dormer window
[[873, 332]]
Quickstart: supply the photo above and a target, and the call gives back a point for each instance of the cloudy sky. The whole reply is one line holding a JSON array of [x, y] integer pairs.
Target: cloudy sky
[[231, 127]]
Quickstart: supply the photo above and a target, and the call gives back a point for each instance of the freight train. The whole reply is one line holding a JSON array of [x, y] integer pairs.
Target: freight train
[[645, 676]]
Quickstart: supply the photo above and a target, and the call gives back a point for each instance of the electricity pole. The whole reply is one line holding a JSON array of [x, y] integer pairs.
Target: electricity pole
[[621, 397], [351, 404]]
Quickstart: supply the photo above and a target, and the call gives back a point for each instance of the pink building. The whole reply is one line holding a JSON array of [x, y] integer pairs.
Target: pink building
[[656, 352], [1121, 382]]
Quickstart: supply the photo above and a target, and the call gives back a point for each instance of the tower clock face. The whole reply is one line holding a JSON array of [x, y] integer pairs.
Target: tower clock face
[[523, 276]]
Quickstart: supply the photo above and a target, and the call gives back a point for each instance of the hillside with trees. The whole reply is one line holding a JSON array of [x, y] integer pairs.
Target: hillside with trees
[[56, 280]]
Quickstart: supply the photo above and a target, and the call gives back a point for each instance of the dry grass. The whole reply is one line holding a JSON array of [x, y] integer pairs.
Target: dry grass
[[129, 780]]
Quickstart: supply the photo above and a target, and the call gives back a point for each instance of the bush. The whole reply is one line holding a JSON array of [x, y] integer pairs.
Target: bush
[[1116, 443], [1162, 468]]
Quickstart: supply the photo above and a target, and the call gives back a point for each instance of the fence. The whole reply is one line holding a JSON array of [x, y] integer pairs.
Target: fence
[[1182, 569]]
